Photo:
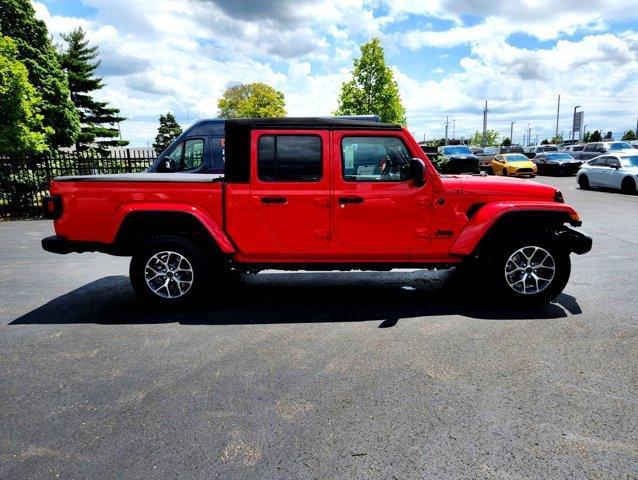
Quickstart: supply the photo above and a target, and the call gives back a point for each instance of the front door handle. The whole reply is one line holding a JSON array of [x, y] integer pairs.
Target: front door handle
[[276, 200], [343, 200]]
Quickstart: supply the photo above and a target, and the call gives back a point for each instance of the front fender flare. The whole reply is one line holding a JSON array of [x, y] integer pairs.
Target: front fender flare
[[488, 215]]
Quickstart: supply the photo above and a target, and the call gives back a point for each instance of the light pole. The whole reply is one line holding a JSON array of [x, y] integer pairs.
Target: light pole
[[574, 123], [529, 134], [584, 131], [446, 127], [512, 132], [453, 129]]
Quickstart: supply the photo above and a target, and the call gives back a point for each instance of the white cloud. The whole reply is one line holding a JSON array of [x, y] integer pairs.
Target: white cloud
[[160, 55]]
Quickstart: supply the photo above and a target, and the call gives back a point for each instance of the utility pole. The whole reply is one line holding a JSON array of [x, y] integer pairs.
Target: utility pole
[[536, 139], [636, 132], [557, 114], [512, 133], [446, 128], [524, 135], [484, 123], [453, 129]]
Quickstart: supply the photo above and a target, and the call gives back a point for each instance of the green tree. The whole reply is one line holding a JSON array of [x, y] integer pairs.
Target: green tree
[[629, 135], [506, 142], [36, 52], [372, 90], [252, 100], [545, 142], [167, 132], [595, 137], [21, 129], [99, 121], [557, 139], [491, 138]]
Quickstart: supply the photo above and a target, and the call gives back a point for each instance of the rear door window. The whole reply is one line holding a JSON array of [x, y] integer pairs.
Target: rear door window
[[289, 158]]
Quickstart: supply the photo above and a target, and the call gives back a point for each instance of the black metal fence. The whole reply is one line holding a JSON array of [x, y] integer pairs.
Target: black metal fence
[[25, 180]]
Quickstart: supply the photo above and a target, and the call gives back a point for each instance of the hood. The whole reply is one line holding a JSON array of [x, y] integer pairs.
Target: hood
[[505, 187]]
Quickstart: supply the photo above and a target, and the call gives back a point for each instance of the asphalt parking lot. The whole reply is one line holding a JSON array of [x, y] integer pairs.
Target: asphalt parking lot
[[321, 375]]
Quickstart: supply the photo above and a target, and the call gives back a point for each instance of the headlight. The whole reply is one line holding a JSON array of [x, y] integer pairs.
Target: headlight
[[558, 197]]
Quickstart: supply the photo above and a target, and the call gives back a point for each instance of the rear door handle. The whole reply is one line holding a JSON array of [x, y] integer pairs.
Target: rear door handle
[[350, 199], [277, 200]]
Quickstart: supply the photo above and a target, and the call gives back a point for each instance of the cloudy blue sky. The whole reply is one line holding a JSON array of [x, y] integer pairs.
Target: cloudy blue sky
[[448, 57]]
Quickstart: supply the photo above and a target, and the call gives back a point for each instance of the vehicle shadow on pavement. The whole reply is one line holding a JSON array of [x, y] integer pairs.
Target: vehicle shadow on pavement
[[294, 298]]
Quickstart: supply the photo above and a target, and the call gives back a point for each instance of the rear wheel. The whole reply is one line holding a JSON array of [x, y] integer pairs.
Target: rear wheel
[[628, 186], [527, 270], [505, 172], [583, 182], [169, 270]]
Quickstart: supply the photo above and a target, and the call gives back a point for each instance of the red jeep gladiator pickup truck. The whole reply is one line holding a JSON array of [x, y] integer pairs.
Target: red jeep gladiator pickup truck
[[318, 194]]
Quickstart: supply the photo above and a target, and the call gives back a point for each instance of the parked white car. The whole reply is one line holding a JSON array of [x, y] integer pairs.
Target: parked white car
[[617, 170]]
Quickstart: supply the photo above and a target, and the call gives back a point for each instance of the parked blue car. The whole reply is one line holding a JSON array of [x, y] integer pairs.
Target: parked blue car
[[199, 149]]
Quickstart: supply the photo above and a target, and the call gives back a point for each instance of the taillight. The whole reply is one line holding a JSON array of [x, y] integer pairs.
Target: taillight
[[52, 207], [558, 197]]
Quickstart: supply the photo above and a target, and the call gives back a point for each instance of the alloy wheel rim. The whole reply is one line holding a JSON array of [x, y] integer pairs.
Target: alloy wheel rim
[[530, 270], [169, 274]]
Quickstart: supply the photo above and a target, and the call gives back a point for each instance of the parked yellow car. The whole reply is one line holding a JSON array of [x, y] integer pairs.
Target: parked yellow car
[[514, 164]]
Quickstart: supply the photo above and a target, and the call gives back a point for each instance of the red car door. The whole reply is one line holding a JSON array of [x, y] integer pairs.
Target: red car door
[[289, 194], [378, 211]]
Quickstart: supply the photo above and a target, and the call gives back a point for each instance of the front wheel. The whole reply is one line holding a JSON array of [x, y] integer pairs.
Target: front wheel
[[583, 182], [529, 270], [169, 270]]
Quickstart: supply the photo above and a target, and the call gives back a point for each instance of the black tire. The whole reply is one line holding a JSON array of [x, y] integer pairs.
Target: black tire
[[181, 287], [628, 186], [528, 291], [583, 182], [504, 172]]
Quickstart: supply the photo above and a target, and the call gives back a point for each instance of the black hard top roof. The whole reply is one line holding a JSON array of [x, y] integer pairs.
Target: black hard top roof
[[310, 123]]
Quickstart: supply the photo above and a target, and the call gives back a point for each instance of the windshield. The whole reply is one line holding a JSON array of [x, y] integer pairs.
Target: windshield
[[516, 158], [457, 151], [628, 162], [619, 146], [559, 157], [549, 148]]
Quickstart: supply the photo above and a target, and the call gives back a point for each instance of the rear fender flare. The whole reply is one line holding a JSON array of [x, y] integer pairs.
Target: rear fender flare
[[203, 218], [499, 214]]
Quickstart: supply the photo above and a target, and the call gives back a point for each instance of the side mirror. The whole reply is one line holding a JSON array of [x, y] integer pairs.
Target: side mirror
[[615, 166], [417, 171]]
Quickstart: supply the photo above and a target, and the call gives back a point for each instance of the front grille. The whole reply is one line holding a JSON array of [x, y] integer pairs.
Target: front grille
[[524, 170]]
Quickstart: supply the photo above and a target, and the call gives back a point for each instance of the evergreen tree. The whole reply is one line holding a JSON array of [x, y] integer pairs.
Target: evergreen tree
[[99, 121], [595, 137], [36, 52], [252, 100], [21, 129], [372, 90], [629, 135], [506, 142], [167, 132]]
